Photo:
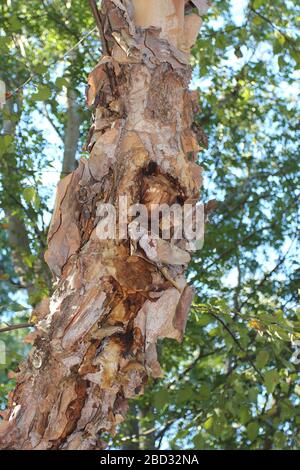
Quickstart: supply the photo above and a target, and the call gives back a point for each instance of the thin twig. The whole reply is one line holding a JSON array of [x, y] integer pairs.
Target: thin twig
[[105, 48], [226, 327], [16, 327], [274, 27], [55, 127], [55, 62], [198, 358], [269, 274], [97, 17]]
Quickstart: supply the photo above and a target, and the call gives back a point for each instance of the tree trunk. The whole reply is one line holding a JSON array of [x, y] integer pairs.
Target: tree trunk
[[95, 345], [71, 134], [17, 233], [18, 239]]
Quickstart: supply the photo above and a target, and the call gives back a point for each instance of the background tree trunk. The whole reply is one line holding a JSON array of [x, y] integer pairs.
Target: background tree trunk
[[18, 239], [71, 133], [16, 228], [95, 342]]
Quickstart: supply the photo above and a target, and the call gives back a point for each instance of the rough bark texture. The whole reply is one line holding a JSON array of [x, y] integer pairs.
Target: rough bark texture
[[95, 341]]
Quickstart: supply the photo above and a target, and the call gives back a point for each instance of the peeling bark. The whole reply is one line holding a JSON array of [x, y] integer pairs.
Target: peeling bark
[[95, 345]]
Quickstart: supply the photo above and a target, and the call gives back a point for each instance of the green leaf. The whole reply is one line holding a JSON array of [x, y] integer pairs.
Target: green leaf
[[29, 260], [185, 393], [41, 69], [218, 428], [271, 380], [296, 56], [4, 40], [204, 319], [246, 93], [238, 52], [257, 20], [161, 398], [258, 3], [209, 423], [29, 194], [277, 46], [262, 359], [281, 62], [203, 393], [252, 430], [15, 23], [198, 442], [43, 94], [60, 82], [245, 415], [6, 142], [252, 394]]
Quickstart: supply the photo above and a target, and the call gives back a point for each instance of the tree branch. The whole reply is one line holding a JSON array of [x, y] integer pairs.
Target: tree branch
[[198, 358], [274, 27], [46, 114], [226, 327], [16, 327], [97, 17]]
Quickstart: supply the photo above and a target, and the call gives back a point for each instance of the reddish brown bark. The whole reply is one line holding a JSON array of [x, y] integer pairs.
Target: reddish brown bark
[[95, 341]]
